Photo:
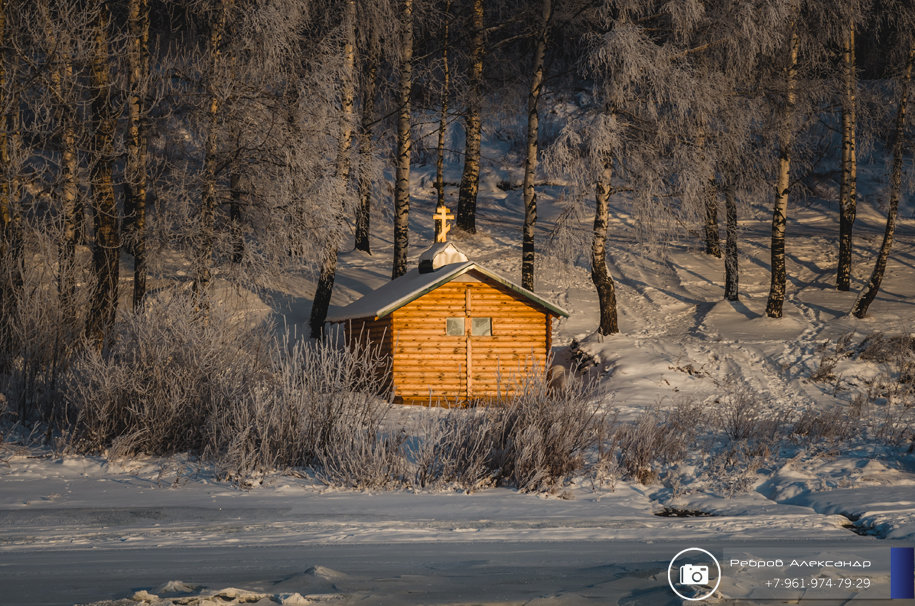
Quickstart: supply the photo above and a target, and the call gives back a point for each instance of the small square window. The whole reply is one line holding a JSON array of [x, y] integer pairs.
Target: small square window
[[454, 327], [481, 327]]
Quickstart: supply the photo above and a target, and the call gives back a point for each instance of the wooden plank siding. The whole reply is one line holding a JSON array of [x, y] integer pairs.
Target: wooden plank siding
[[429, 363]]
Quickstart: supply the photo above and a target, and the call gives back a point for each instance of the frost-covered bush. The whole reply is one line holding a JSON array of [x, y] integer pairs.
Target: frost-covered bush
[[540, 436], [39, 329], [174, 380], [657, 439], [532, 440], [318, 405], [453, 449], [168, 372]]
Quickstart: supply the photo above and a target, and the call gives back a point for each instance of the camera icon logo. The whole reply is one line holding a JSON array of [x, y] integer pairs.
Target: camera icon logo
[[693, 575]]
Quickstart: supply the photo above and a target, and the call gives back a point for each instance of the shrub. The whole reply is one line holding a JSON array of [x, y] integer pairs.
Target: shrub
[[318, 402], [453, 449], [176, 381], [658, 438], [168, 372], [541, 434], [533, 440], [38, 336]]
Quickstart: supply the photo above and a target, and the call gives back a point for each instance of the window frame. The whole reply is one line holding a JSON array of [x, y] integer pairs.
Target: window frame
[[455, 319], [473, 325]]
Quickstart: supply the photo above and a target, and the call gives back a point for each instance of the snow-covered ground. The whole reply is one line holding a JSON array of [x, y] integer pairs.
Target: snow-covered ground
[[82, 529]]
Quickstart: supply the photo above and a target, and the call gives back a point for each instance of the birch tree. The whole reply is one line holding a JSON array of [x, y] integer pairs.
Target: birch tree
[[377, 47], [329, 263], [60, 31], [869, 293], [470, 178], [643, 109], [10, 218], [783, 181], [404, 142], [106, 246], [731, 268], [364, 214], [532, 148], [848, 187], [728, 50], [209, 200], [443, 113], [137, 142]]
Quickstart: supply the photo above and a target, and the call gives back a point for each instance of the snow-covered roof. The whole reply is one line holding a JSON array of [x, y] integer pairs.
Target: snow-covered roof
[[413, 284]]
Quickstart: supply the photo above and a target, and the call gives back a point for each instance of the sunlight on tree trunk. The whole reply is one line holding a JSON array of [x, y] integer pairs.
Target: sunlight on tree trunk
[[364, 214], [712, 239], [869, 293], [106, 248], [730, 247], [470, 179], [600, 274], [402, 176], [783, 183], [848, 189], [443, 116], [135, 185], [10, 238], [530, 160], [5, 214], [209, 200], [235, 225], [62, 80], [329, 262]]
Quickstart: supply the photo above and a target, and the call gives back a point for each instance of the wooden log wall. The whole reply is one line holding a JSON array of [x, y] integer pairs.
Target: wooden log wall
[[427, 361]]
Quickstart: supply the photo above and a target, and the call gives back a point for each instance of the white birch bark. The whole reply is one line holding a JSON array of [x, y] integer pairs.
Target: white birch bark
[[530, 160], [848, 189], [600, 273], [470, 179], [869, 293], [328, 274], [404, 142], [780, 212]]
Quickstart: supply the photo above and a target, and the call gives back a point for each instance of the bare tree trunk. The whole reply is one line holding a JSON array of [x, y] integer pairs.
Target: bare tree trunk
[[106, 249], [209, 200], [868, 294], [135, 186], [443, 117], [848, 189], [364, 214], [530, 160], [402, 176], [238, 238], [600, 274], [5, 168], [730, 246], [328, 275], [10, 237], [780, 212], [470, 179], [712, 239], [62, 79]]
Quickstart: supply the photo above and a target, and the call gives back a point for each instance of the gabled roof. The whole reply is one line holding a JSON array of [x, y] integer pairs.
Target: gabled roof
[[413, 284]]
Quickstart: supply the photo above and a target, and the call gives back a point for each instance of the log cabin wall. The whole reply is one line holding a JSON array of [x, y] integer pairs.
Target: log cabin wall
[[509, 339]]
